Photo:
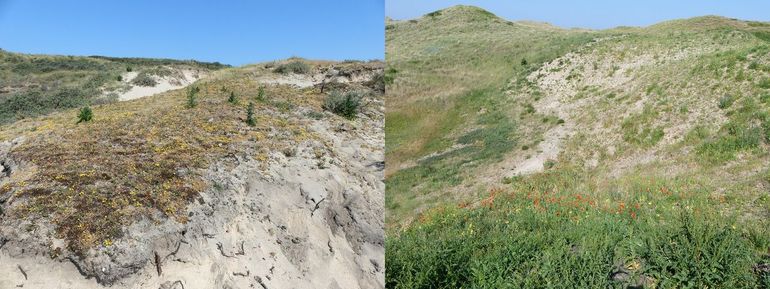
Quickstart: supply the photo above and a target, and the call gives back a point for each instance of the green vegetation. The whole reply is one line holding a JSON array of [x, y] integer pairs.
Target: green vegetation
[[344, 104], [638, 129], [191, 97], [232, 98], [295, 66], [144, 79], [85, 114], [659, 174], [250, 120], [534, 236], [747, 129], [390, 75], [725, 102], [261, 94], [88, 195], [35, 85]]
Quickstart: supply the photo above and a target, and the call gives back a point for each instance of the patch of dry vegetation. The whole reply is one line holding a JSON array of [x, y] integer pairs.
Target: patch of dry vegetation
[[142, 159]]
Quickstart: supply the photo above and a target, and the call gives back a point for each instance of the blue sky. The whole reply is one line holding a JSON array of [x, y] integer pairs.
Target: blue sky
[[231, 31], [592, 14]]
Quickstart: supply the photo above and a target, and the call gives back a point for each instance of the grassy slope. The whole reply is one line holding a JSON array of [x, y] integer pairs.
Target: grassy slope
[[447, 68], [669, 122], [34, 85], [72, 179]]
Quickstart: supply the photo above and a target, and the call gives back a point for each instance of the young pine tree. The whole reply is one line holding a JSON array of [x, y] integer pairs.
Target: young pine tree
[[250, 120], [261, 94], [191, 97], [232, 99], [85, 114]]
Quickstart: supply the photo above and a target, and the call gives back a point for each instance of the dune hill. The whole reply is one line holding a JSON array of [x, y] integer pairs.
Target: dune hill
[[520, 145]]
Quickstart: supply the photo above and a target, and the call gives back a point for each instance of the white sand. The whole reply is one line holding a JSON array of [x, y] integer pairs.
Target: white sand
[[164, 84]]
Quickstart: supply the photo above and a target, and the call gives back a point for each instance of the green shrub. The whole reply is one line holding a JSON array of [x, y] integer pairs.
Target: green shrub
[[297, 67], [250, 115], [345, 105], [549, 164], [434, 13], [764, 83], [120, 78], [390, 75], [144, 79], [528, 108], [192, 97], [261, 94], [232, 99], [725, 101], [129, 69], [523, 62], [85, 114]]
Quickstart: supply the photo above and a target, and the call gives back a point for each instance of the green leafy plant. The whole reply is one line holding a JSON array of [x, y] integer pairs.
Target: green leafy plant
[[343, 104], [85, 115]]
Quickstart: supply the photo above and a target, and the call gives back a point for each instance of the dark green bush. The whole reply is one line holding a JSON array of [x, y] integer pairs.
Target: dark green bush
[[85, 114], [297, 67], [144, 79], [390, 75], [192, 97], [434, 13], [261, 94], [232, 99], [345, 105], [250, 115], [725, 101]]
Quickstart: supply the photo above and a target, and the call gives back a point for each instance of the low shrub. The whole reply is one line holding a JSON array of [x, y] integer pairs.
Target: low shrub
[[144, 79], [232, 99], [250, 120], [343, 104], [725, 101], [85, 115], [261, 94], [297, 67], [192, 97]]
